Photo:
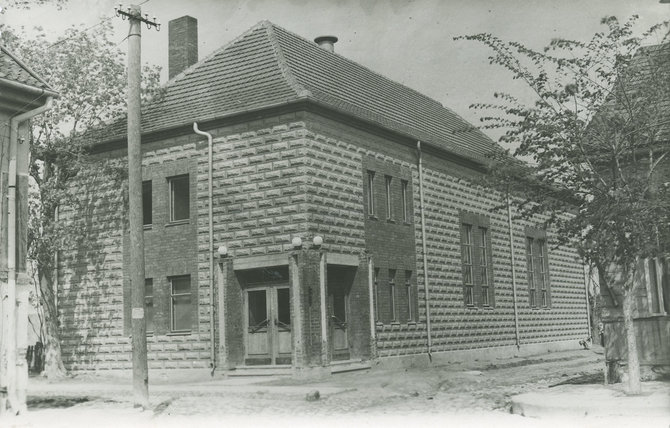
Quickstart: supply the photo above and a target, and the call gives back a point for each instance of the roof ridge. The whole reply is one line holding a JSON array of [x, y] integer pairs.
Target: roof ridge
[[26, 68], [368, 69], [290, 78]]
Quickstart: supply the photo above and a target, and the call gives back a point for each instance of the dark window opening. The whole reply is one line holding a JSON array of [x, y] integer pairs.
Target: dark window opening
[[179, 198], [181, 308], [392, 294], [371, 193], [409, 295], [468, 262], [537, 268], [149, 304], [146, 203], [405, 204], [376, 285], [389, 204]]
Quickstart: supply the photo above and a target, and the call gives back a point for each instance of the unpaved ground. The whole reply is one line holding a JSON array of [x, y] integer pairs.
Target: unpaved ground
[[473, 394], [465, 389], [454, 388]]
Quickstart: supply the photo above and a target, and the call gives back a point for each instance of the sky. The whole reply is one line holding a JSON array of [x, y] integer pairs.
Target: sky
[[409, 41]]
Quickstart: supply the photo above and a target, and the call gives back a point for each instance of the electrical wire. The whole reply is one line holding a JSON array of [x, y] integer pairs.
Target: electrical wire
[[102, 21]]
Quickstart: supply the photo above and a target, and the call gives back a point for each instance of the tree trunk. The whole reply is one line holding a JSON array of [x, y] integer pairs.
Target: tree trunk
[[633, 362], [53, 361]]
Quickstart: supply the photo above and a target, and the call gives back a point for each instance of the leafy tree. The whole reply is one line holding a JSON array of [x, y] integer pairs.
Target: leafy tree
[[27, 4], [87, 69], [593, 143]]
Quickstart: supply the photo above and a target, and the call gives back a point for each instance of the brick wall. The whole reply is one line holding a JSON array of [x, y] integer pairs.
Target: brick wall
[[299, 174], [259, 205], [337, 154]]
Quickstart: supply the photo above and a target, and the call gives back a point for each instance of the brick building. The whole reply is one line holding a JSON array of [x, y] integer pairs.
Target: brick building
[[346, 217]]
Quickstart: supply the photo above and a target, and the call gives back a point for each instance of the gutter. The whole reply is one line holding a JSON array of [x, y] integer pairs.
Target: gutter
[[10, 317], [425, 256], [27, 88], [210, 193]]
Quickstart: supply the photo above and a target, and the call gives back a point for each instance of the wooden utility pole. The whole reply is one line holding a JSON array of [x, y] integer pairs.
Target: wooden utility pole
[[136, 269]]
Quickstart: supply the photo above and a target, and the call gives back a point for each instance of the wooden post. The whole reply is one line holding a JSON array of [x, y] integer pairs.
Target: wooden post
[[139, 328]]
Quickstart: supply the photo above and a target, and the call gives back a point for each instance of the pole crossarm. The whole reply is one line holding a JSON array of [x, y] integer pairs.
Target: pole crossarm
[[131, 13]]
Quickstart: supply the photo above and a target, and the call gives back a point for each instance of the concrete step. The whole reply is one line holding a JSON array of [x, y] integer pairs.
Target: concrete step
[[345, 366], [269, 370]]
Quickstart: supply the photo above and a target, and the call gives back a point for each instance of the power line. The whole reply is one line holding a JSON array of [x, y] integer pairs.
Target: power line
[[102, 21]]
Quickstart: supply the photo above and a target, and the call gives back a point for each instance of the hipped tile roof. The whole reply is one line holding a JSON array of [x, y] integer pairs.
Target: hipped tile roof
[[268, 66], [11, 68]]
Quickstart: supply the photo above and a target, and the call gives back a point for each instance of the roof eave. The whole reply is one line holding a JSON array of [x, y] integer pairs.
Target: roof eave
[[306, 101], [33, 90]]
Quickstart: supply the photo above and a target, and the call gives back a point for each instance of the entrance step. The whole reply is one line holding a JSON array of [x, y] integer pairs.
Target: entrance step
[[269, 370], [344, 366]]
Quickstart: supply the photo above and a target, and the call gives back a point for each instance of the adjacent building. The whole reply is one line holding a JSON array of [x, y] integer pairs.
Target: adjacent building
[[347, 225], [23, 95]]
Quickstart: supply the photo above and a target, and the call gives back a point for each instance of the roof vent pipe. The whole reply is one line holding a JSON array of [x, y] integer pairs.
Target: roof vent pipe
[[326, 42]]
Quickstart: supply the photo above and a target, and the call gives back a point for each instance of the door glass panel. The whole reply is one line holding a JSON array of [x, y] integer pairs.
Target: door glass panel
[[258, 313], [283, 307], [339, 307]]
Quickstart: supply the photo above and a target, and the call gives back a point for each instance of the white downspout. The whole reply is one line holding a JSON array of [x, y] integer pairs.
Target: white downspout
[[425, 255], [11, 342], [212, 355], [511, 251]]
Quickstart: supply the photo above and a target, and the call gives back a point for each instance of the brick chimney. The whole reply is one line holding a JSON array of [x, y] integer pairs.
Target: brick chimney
[[183, 44]]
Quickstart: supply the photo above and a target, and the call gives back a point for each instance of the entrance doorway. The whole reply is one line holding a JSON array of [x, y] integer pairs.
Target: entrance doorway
[[268, 325], [340, 279]]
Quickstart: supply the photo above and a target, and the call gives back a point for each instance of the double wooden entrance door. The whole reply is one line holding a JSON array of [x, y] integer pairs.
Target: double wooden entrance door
[[268, 325]]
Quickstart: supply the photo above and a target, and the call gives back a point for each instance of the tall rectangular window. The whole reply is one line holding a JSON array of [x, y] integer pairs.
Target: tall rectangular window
[[537, 269], [477, 261], [409, 295], [179, 198], [542, 271], [389, 204], [405, 202], [530, 243], [371, 193], [149, 304], [468, 263], [376, 284], [181, 308], [394, 316], [146, 203], [483, 265]]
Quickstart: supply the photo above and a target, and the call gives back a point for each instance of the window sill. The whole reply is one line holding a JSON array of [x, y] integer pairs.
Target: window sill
[[179, 333], [148, 226], [177, 223]]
